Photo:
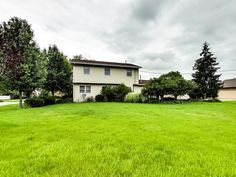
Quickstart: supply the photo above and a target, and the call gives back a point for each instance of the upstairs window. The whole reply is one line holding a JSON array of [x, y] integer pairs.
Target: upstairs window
[[129, 72], [86, 70], [107, 71]]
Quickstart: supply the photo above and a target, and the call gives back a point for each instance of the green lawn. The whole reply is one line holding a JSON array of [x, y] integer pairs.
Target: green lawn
[[11, 100], [119, 139]]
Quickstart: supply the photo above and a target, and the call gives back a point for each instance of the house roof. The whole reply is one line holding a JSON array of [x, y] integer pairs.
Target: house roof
[[229, 83], [103, 63], [143, 81]]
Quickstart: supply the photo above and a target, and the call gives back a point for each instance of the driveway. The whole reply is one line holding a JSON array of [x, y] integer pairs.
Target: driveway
[[7, 103]]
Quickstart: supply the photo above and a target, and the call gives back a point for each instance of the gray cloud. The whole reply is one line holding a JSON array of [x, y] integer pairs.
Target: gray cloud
[[158, 35]]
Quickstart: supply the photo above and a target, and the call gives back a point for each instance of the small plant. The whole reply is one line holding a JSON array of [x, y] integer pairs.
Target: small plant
[[1, 100]]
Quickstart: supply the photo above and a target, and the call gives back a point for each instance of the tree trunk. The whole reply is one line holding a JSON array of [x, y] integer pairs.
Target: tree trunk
[[52, 92], [20, 96]]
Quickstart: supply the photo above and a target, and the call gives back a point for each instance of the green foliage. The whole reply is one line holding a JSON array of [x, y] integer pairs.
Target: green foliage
[[64, 100], [48, 100], [99, 98], [116, 139], [171, 83], [89, 99], [59, 77], [21, 62], [205, 74], [134, 98], [34, 102], [115, 93]]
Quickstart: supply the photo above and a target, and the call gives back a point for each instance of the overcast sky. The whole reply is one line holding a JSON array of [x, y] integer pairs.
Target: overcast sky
[[159, 35]]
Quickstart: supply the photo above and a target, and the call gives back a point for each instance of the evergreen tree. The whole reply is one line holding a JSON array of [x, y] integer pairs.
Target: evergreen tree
[[205, 74]]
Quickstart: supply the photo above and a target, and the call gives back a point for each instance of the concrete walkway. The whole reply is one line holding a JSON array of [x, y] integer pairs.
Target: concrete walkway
[[7, 103]]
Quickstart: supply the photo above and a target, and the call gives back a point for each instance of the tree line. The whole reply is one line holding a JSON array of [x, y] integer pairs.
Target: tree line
[[25, 67], [204, 85]]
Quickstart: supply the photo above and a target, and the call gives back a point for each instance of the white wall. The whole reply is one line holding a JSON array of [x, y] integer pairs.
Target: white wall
[[117, 76], [77, 96], [137, 89]]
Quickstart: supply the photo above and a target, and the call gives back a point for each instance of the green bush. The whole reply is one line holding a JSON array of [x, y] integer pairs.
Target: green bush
[[99, 98], [89, 99], [115, 93], [64, 100], [134, 98], [1, 100], [34, 102], [49, 100]]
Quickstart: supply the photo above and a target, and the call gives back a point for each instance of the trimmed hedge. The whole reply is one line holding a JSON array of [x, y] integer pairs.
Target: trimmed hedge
[[45, 100], [48, 100], [64, 100], [99, 98], [34, 102]]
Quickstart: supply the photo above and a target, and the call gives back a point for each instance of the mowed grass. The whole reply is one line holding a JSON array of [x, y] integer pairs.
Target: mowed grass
[[119, 139]]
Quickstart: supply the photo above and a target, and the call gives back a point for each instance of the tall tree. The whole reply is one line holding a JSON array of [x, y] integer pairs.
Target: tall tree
[[59, 76], [19, 56], [205, 74]]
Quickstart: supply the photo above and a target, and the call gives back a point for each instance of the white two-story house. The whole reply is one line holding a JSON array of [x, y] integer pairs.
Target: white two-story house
[[90, 76]]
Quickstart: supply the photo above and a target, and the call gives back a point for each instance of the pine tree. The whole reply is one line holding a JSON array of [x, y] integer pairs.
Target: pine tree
[[205, 74]]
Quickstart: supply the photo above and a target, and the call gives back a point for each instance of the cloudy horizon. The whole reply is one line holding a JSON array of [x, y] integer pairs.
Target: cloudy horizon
[[160, 36]]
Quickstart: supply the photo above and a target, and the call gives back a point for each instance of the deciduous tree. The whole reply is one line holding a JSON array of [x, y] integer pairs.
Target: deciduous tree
[[20, 56]]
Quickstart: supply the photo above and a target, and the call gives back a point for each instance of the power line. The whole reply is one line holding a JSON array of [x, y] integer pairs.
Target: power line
[[151, 72]]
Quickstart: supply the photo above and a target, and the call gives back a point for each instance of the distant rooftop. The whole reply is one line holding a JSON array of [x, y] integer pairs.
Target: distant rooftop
[[230, 83], [103, 63]]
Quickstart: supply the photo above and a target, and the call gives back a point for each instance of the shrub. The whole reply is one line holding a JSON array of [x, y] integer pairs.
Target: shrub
[[89, 99], [64, 100], [49, 100], [1, 100], [34, 102], [115, 93], [133, 98], [99, 98], [108, 93]]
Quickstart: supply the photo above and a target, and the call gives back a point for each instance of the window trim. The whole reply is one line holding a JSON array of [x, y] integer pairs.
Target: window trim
[[80, 88], [105, 73], [85, 88], [131, 72], [86, 70]]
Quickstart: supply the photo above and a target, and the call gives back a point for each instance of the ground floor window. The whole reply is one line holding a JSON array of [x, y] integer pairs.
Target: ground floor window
[[88, 89], [85, 89]]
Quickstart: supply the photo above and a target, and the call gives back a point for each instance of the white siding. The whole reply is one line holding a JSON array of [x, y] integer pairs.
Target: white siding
[[137, 89], [97, 75], [78, 97]]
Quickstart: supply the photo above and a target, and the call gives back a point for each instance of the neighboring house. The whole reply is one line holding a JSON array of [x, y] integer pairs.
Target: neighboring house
[[90, 76], [228, 91]]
